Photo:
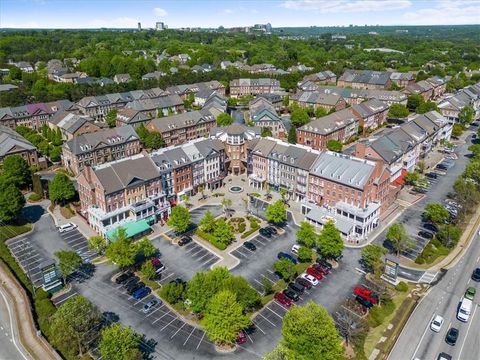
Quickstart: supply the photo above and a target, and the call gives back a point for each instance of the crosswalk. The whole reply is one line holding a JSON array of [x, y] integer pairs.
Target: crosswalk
[[428, 277]]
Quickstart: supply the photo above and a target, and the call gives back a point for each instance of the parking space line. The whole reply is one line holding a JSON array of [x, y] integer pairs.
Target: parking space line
[[154, 311], [198, 251], [200, 341], [175, 318], [281, 317], [210, 259], [195, 246], [161, 317], [249, 337], [259, 328], [33, 256], [267, 319], [241, 254], [176, 332], [258, 282], [273, 282], [166, 277], [194, 328], [278, 304], [207, 254]]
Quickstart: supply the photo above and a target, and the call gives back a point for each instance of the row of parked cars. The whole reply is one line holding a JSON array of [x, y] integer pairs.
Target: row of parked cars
[[267, 232], [132, 284]]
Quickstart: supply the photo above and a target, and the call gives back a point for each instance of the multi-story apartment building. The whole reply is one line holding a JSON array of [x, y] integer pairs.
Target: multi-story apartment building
[[439, 86], [121, 193], [264, 115], [365, 79], [317, 100], [240, 87], [132, 117], [322, 77], [402, 79], [423, 88], [180, 128], [103, 146], [235, 139], [185, 90], [33, 115], [71, 124], [371, 113], [340, 126], [161, 106], [468, 96], [12, 143]]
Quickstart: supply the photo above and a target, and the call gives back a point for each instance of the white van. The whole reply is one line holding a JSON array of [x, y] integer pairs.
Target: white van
[[66, 227], [465, 309]]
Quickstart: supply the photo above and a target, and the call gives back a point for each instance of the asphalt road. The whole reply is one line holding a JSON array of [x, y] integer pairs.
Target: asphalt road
[[10, 349], [418, 341]]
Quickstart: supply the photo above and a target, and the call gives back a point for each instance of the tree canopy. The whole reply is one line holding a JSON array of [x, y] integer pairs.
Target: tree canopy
[[15, 171], [224, 119], [61, 189], [330, 242], [334, 145], [306, 234], [179, 219], [399, 238], [299, 116], [436, 213], [120, 343], [398, 111], [69, 262], [276, 212], [11, 201]]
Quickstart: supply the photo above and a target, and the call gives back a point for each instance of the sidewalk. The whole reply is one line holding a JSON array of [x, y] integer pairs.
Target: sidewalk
[[81, 223], [23, 323]]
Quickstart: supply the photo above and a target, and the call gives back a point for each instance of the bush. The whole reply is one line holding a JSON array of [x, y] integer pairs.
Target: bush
[[248, 233], [218, 194], [402, 286], [211, 239], [377, 314], [35, 197], [172, 292], [305, 254], [44, 310]]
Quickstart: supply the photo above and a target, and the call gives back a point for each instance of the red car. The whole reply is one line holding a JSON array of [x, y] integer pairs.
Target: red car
[[325, 271], [315, 273], [366, 294], [282, 299], [242, 337]]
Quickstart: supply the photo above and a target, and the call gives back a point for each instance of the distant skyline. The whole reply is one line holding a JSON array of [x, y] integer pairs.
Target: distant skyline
[[214, 13]]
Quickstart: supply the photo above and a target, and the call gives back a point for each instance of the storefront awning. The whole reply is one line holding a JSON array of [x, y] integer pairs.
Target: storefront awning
[[132, 229]]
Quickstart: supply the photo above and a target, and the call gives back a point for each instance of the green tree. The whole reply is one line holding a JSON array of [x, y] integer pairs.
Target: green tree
[[148, 270], [223, 232], [15, 170], [121, 250], [475, 149], [334, 145], [372, 256], [411, 178], [224, 119], [457, 130], [329, 242], [154, 140], [305, 254], [280, 352], [467, 193], [465, 116], [224, 318], [399, 238], [61, 189], [207, 223], [398, 111], [449, 235], [309, 333], [11, 201], [285, 268], [97, 243], [414, 101], [120, 343], [472, 171], [226, 203], [145, 247], [299, 117], [421, 166], [436, 213], [179, 219], [172, 292], [69, 262], [266, 132], [111, 118], [73, 325], [320, 112], [426, 107], [292, 135], [276, 213], [306, 234], [286, 100]]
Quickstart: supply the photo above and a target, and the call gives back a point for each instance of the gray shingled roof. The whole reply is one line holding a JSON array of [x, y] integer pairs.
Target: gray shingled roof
[[330, 123], [181, 120], [10, 139]]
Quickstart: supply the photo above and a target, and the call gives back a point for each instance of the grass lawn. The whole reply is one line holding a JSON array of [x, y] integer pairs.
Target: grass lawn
[[9, 231], [376, 333]]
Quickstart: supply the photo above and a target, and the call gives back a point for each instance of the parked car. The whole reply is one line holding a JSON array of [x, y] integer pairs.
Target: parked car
[[272, 230], [310, 279], [324, 263], [150, 305], [436, 323], [179, 281], [265, 232], [121, 279], [292, 295], [131, 280], [470, 293], [157, 264], [452, 336], [298, 288], [425, 234], [241, 337], [476, 275], [363, 302], [282, 255], [184, 240], [431, 175], [367, 294], [141, 293], [420, 190], [295, 249], [306, 284], [249, 245], [135, 287], [283, 299], [465, 309], [315, 273], [444, 356], [323, 270], [430, 227], [66, 227]]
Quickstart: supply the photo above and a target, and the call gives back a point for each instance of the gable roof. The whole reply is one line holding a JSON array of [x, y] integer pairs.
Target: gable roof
[[181, 120], [10, 139]]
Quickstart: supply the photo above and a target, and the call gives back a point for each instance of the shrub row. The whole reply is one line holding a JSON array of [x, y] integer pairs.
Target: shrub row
[[211, 239]]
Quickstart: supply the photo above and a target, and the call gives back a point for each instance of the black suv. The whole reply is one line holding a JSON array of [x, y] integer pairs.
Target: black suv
[[364, 302], [306, 284], [298, 288], [452, 336], [123, 278], [265, 232], [184, 240], [476, 275], [272, 230], [292, 295], [324, 263], [249, 245]]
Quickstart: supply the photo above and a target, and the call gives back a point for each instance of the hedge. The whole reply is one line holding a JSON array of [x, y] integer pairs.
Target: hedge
[[35, 197], [44, 310], [377, 314], [211, 239]]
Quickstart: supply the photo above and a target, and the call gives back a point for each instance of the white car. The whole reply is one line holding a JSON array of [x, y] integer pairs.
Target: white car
[[437, 323], [151, 304], [295, 249], [66, 227], [310, 279]]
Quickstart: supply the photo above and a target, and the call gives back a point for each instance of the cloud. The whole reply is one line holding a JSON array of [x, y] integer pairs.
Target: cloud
[[160, 12], [228, 11], [452, 12], [344, 6], [254, 11], [22, 25], [121, 22]]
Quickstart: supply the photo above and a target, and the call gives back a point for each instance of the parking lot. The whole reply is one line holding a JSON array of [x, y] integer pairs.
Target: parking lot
[[28, 257], [182, 261], [79, 243]]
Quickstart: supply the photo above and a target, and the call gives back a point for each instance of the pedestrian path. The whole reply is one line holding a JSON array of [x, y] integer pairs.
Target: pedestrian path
[[428, 277]]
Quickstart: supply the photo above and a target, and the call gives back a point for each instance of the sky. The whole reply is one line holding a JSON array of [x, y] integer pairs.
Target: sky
[[231, 13]]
